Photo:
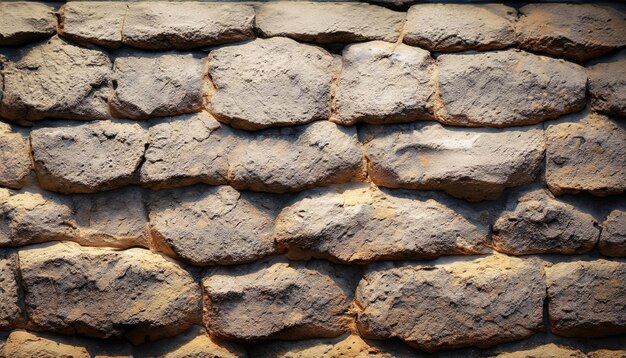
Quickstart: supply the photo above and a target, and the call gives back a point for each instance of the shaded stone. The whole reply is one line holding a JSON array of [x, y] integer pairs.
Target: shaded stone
[[98, 22], [277, 299], [270, 82], [587, 156], [577, 32], [132, 293], [15, 162], [468, 303], [213, 225], [471, 163], [607, 86], [381, 82], [149, 85], [296, 158], [613, 238], [87, 157], [586, 299], [25, 21], [10, 295], [550, 350], [56, 79], [507, 88], [362, 224], [328, 22], [24, 344], [460, 27], [186, 150]]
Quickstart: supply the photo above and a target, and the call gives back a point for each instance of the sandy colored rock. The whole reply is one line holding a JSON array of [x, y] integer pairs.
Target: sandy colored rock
[[56, 79], [507, 88], [351, 346], [87, 157], [24, 344], [550, 350], [613, 238], [578, 32], [15, 162], [132, 293], [213, 225], [186, 150], [467, 303], [296, 158], [98, 23], [25, 21], [471, 163], [381, 82], [607, 86], [607, 353], [147, 84], [586, 156], [460, 27], [10, 295], [328, 22], [277, 299], [270, 82], [195, 342], [361, 224]]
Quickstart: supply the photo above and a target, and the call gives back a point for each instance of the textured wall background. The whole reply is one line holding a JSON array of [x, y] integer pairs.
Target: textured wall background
[[295, 179]]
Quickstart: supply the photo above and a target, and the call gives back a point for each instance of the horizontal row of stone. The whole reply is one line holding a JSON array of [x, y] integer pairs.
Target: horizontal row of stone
[[578, 32], [279, 82], [209, 226], [143, 296]]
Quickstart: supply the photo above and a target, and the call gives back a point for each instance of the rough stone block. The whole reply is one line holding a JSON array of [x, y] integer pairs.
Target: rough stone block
[[25, 21], [613, 238], [99, 23], [549, 350], [10, 295], [15, 161], [193, 343], [24, 344], [607, 86]]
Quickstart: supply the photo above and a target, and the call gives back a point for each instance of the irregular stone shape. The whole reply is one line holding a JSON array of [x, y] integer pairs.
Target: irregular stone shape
[[537, 223], [469, 303], [213, 225], [607, 353], [15, 162], [507, 88], [586, 299], [278, 299], [460, 27], [550, 350], [87, 157], [99, 22], [296, 158], [132, 293], [157, 85], [23, 344], [471, 163], [328, 22], [25, 21], [10, 305], [613, 238], [348, 346], [587, 156], [57, 79], [381, 82], [186, 150], [270, 82], [362, 224], [577, 32], [607, 86], [195, 342]]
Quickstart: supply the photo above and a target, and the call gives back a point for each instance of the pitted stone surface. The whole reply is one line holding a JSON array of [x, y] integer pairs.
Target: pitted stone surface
[[550, 350], [193, 343], [613, 238], [460, 27], [362, 224], [328, 22], [213, 225], [469, 163], [25, 21], [507, 88], [381, 83], [15, 161], [607, 86], [10, 305], [24, 344], [270, 82], [98, 22]]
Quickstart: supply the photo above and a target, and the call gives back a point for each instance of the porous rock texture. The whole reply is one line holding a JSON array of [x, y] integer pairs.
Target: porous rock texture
[[25, 21], [15, 162], [613, 238], [10, 305], [546, 351], [607, 86]]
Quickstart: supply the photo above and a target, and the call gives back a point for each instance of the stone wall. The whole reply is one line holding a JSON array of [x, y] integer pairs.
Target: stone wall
[[295, 179]]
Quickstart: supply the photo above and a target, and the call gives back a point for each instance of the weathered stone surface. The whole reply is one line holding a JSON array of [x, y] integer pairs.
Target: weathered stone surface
[[296, 158], [15, 162], [25, 21], [587, 156], [330, 22], [460, 27], [577, 32], [471, 163], [586, 299], [193, 343], [613, 238], [56, 79], [482, 302], [213, 225], [537, 223], [277, 299], [100, 23], [507, 88], [381, 82], [87, 157], [270, 82], [550, 350], [23, 344], [149, 85], [132, 293], [10, 305], [186, 150], [607, 353], [362, 224], [607, 86]]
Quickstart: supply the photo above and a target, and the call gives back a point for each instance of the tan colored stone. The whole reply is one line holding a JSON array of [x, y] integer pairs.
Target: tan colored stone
[[613, 238], [351, 346], [15, 161], [550, 350], [25, 21], [607, 353], [10, 293], [607, 86], [100, 22], [23, 344]]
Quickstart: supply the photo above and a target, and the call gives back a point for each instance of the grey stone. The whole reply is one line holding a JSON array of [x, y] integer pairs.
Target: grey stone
[[15, 162], [613, 238], [25, 21], [10, 296], [607, 86], [100, 22]]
